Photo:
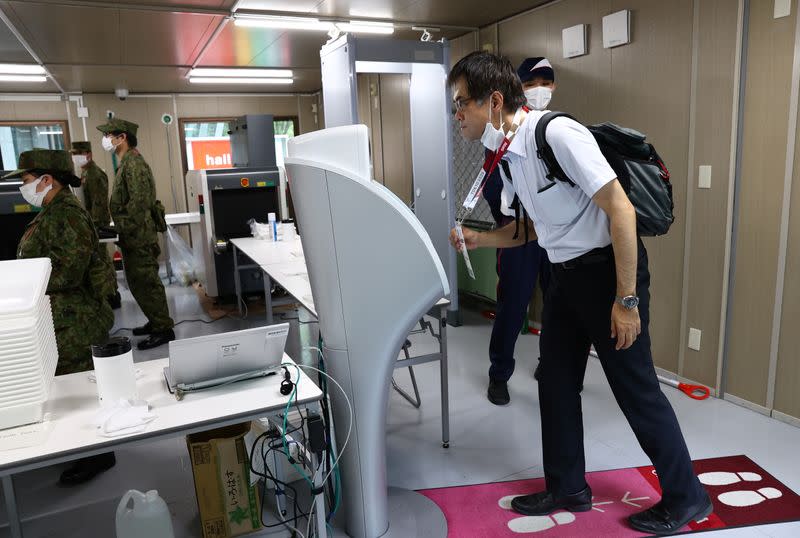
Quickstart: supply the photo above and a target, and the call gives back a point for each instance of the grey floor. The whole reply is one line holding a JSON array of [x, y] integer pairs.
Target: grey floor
[[488, 443]]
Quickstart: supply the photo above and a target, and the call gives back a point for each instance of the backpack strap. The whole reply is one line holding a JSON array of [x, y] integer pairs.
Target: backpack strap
[[545, 152], [516, 206]]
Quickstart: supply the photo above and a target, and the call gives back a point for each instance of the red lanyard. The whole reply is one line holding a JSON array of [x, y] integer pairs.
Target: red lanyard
[[489, 164]]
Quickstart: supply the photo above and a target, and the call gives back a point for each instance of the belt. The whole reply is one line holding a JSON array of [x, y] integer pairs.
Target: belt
[[597, 255]]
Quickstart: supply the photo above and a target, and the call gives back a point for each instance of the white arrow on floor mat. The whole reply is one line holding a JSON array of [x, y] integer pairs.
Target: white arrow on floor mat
[[629, 501], [595, 505]]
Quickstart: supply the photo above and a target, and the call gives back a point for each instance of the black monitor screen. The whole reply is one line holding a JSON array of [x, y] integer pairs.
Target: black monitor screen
[[234, 207]]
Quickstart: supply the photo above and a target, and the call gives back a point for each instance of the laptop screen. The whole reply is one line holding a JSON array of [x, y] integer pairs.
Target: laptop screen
[[214, 356]]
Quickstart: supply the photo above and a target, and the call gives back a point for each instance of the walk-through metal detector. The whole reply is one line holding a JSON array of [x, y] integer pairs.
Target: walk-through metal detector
[[431, 148]]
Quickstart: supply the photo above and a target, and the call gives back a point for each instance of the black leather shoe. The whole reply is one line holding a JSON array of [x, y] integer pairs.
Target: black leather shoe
[[115, 301], [543, 503], [87, 468], [157, 339], [662, 521], [498, 392], [144, 329]]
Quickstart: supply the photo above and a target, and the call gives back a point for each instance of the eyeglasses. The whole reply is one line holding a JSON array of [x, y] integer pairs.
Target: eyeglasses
[[459, 104]]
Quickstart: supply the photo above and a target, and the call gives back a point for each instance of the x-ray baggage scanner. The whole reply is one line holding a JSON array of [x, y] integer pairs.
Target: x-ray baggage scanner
[[373, 272], [431, 145]]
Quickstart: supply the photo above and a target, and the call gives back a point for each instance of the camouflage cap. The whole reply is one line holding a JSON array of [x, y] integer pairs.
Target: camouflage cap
[[57, 160], [118, 124], [81, 147]]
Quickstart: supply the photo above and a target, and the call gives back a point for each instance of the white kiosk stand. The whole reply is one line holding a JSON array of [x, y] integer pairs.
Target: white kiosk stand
[[374, 272]]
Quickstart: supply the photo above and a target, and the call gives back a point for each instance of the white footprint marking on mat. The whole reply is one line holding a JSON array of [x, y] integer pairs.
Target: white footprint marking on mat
[[527, 524], [505, 502], [722, 478], [748, 498]]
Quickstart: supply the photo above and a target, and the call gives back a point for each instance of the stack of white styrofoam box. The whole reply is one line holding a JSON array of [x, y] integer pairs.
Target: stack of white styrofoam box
[[28, 353]]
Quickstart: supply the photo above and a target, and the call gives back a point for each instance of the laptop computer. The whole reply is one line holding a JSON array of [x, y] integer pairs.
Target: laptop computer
[[222, 358]]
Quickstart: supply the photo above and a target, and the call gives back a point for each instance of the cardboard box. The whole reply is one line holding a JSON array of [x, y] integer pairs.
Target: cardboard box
[[229, 505]]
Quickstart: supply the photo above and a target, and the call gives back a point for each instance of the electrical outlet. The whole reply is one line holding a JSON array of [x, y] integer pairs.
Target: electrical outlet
[[694, 339], [704, 177]]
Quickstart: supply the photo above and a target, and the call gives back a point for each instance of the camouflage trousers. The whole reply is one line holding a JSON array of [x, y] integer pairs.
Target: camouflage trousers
[[76, 330], [141, 272], [105, 257]]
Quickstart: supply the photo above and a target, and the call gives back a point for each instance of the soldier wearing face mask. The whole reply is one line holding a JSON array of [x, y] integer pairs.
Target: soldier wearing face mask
[[138, 217], [63, 231], [95, 190]]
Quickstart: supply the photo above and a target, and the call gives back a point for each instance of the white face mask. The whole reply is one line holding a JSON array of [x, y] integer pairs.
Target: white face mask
[[539, 97], [80, 160], [34, 198], [108, 145], [492, 137]]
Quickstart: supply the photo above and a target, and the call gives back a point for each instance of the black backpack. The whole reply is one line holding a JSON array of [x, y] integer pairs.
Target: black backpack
[[639, 169]]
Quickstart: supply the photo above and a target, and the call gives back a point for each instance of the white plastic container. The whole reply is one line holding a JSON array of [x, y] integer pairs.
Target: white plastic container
[[148, 517], [114, 372]]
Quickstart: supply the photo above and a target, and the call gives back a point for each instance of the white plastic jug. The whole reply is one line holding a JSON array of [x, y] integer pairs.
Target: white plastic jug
[[148, 518]]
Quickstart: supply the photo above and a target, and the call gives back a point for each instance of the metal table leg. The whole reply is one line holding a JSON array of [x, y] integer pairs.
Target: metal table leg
[[237, 283], [268, 296], [443, 375], [11, 507]]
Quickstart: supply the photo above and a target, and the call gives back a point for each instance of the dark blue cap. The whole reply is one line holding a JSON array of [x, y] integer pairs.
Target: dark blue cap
[[539, 66]]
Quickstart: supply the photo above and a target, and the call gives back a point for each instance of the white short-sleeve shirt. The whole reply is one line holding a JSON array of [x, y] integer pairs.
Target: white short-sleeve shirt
[[568, 224]]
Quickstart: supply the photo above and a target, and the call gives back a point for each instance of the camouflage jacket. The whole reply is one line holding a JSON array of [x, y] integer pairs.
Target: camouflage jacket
[[95, 190], [63, 232], [132, 200]]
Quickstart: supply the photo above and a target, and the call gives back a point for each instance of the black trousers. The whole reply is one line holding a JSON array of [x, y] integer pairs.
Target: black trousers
[[517, 270], [577, 314]]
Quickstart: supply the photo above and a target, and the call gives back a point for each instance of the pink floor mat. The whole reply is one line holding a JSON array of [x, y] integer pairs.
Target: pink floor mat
[[742, 492]]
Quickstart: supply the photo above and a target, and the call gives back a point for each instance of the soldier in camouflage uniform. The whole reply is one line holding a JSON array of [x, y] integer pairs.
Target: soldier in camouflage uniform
[[138, 217], [63, 232], [95, 190]]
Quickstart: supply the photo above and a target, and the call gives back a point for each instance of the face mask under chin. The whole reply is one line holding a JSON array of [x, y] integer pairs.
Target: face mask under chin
[[492, 136]]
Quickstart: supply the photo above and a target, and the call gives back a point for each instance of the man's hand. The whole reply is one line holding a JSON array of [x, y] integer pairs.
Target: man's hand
[[625, 325], [470, 238]]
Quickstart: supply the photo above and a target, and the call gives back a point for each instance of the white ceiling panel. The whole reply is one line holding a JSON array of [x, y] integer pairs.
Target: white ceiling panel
[[182, 5], [68, 34], [107, 36], [11, 50], [470, 13], [152, 38], [270, 47]]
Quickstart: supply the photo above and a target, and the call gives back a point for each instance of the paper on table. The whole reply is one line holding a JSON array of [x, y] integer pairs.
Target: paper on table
[[124, 418], [27, 435]]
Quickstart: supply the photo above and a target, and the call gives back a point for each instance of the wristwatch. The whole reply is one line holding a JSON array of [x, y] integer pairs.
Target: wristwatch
[[629, 301]]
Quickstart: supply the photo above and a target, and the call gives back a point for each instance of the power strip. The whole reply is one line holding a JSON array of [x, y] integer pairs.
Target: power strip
[[274, 459]]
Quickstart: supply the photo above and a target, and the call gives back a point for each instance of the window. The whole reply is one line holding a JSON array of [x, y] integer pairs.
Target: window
[[16, 137], [207, 143]]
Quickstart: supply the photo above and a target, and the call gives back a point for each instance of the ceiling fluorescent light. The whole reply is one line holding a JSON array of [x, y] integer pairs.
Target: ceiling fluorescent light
[[240, 80], [22, 78], [366, 27], [288, 23], [245, 72], [21, 69]]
